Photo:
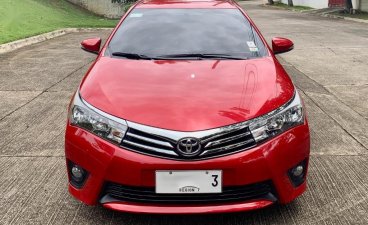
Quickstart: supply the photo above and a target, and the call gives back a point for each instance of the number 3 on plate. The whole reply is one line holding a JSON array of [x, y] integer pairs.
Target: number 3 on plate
[[215, 182]]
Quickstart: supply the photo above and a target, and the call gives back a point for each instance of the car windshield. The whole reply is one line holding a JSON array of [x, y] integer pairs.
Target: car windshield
[[186, 33]]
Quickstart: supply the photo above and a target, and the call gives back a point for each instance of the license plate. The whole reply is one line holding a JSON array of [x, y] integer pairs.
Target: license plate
[[189, 182]]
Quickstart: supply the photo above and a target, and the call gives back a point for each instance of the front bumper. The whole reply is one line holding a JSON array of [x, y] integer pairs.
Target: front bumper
[[105, 162]]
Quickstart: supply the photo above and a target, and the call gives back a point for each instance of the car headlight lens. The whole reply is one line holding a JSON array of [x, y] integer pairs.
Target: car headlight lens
[[95, 121], [278, 121]]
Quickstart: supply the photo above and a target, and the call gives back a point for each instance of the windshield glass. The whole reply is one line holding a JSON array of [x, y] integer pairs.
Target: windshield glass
[[171, 33]]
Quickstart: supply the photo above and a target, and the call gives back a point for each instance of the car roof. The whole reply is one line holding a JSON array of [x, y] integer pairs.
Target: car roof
[[199, 4]]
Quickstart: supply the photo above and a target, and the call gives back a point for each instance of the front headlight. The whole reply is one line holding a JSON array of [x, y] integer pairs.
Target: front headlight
[[95, 121], [287, 116]]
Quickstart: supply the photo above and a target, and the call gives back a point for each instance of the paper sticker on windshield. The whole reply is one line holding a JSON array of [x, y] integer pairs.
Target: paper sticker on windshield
[[252, 46], [253, 49], [136, 15]]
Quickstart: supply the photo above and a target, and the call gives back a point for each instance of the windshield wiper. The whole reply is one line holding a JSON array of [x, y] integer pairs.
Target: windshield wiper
[[177, 56], [131, 55], [201, 56]]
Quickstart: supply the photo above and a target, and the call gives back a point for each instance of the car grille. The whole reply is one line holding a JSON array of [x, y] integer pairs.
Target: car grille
[[147, 143], [113, 192], [164, 143]]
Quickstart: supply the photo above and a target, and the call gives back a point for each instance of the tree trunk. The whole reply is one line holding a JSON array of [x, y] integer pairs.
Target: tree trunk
[[290, 3], [348, 4], [270, 2]]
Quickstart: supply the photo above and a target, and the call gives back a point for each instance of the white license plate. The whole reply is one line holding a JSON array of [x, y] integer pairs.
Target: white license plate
[[188, 182]]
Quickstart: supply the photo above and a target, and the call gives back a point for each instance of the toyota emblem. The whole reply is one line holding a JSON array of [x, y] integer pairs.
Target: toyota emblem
[[189, 146]]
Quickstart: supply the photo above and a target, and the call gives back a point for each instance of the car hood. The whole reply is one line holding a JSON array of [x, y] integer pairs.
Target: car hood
[[186, 95]]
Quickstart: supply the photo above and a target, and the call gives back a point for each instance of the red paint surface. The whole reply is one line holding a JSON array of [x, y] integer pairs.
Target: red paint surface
[[336, 3], [105, 161], [194, 209], [164, 94], [193, 95], [92, 45], [280, 45]]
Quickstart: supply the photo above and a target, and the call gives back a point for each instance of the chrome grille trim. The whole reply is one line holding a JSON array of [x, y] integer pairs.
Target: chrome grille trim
[[166, 144], [163, 143], [224, 140], [153, 149], [226, 148], [174, 136]]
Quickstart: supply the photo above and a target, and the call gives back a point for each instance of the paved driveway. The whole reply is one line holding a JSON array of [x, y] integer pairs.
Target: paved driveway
[[329, 65]]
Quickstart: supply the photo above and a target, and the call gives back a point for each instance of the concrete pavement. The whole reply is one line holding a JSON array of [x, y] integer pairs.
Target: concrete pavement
[[329, 66]]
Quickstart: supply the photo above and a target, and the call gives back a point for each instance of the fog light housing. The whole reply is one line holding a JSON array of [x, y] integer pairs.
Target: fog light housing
[[297, 173], [77, 175]]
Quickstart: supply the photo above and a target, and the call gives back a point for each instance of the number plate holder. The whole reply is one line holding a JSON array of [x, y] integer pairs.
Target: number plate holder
[[188, 182]]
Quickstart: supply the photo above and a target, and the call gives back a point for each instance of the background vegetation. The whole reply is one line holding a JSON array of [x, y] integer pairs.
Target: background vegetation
[[25, 18]]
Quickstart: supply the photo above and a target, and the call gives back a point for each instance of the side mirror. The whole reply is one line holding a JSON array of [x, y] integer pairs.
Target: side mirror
[[280, 45], [92, 45]]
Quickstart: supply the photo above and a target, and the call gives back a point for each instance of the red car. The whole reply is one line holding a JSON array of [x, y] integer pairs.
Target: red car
[[186, 110]]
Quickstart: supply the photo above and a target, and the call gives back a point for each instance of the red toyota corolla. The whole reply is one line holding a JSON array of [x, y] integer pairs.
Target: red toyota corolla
[[186, 110]]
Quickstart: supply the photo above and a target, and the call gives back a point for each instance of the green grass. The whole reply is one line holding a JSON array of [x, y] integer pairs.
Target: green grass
[[295, 7], [25, 18], [358, 15]]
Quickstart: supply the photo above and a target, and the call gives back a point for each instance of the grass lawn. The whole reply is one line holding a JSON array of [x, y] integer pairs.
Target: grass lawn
[[358, 15], [295, 7], [25, 18]]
